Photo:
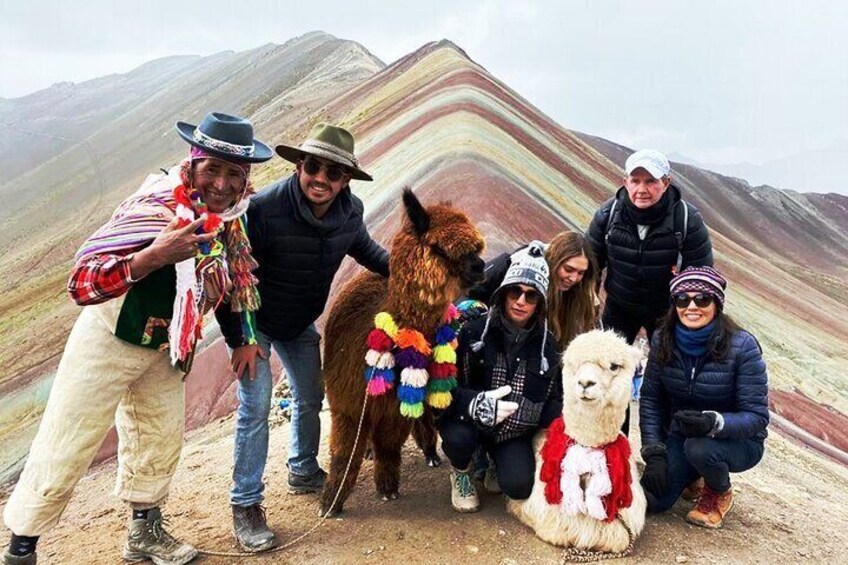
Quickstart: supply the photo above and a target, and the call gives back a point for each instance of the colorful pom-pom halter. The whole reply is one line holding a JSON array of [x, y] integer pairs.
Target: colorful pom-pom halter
[[425, 373]]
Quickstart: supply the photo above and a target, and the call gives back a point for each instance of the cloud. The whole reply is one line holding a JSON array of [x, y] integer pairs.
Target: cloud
[[713, 78]]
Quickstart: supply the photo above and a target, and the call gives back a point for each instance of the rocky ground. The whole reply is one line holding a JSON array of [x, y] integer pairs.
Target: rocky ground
[[792, 507]]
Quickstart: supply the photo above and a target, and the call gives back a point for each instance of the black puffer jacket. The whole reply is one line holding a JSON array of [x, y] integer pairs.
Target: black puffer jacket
[[736, 386], [638, 271], [538, 393], [299, 255]]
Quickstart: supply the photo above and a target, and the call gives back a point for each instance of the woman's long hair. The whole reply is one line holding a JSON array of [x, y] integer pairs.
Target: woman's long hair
[[717, 347], [572, 312]]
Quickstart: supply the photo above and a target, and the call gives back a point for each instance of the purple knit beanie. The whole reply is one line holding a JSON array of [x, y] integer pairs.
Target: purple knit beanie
[[699, 279]]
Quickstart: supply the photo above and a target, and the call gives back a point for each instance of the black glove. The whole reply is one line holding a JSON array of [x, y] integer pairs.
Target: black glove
[[694, 423], [655, 477]]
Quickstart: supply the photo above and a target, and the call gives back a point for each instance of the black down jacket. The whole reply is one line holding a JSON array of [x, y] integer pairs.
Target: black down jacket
[[638, 271]]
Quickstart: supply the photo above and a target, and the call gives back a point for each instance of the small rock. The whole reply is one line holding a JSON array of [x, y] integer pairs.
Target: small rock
[[381, 547], [681, 559], [472, 549], [502, 533], [368, 552]]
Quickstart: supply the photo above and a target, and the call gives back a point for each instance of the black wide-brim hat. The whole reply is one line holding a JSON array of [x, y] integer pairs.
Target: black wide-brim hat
[[328, 142], [225, 136]]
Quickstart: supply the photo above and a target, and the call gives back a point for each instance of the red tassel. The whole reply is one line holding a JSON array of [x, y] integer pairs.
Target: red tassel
[[212, 223], [553, 451], [618, 465], [378, 340], [441, 370], [181, 196]]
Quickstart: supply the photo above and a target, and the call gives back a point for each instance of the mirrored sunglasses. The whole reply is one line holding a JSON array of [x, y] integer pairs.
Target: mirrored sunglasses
[[682, 300], [333, 173]]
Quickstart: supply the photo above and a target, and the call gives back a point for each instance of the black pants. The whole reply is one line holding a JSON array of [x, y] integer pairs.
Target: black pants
[[713, 459], [628, 322], [514, 458]]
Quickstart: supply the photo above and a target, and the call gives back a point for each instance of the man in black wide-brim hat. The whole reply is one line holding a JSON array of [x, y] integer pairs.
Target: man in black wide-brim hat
[[170, 252], [300, 229]]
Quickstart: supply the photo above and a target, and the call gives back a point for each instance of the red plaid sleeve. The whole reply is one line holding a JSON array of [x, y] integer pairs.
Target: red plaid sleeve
[[100, 278]]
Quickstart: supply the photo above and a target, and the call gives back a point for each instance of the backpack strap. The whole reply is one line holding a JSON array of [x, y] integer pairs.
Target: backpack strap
[[609, 221], [681, 235]]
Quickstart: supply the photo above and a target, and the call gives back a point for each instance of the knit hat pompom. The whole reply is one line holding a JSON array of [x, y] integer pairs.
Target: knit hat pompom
[[699, 279]]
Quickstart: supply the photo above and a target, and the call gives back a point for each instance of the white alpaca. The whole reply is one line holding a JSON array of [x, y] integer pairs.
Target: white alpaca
[[597, 372]]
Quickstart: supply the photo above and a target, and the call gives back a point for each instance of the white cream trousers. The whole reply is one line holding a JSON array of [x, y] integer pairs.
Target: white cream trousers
[[101, 379]]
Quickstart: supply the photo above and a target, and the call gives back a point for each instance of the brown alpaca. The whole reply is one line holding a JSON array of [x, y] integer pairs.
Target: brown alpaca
[[434, 256]]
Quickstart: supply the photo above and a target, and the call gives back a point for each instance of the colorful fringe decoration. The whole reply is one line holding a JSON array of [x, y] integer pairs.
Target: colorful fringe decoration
[[425, 373], [186, 319], [210, 267]]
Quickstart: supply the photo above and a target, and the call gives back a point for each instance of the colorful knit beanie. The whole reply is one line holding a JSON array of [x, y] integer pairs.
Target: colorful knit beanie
[[700, 279]]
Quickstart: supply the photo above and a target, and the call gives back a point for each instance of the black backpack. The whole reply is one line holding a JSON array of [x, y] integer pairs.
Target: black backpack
[[679, 234]]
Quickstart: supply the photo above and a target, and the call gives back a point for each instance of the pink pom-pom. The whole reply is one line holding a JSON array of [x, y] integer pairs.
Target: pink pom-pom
[[378, 386]]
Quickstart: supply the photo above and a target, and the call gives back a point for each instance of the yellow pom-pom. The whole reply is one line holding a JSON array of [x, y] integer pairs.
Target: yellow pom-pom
[[444, 354], [439, 399], [385, 322]]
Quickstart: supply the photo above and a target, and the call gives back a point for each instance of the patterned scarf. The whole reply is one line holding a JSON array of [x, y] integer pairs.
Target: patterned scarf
[[221, 268]]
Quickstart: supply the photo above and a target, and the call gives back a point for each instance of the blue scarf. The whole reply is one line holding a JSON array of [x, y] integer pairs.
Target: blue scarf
[[693, 343]]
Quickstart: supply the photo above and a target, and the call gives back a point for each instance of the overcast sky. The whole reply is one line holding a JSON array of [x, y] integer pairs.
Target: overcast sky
[[718, 81]]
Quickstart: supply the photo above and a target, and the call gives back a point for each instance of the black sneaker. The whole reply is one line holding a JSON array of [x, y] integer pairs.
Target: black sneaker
[[251, 529], [304, 484]]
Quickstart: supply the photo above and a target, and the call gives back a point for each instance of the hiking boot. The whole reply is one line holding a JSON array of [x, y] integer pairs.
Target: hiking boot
[[711, 508], [147, 539], [303, 484], [28, 559], [251, 529], [694, 490], [463, 494], [490, 480]]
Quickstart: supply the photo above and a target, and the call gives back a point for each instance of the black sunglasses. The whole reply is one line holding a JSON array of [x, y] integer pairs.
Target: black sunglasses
[[701, 300], [334, 173], [515, 292]]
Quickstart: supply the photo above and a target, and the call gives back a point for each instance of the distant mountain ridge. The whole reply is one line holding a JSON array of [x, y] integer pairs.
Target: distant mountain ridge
[[819, 171]]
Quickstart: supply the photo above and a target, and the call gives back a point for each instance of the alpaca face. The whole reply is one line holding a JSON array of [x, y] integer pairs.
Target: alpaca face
[[598, 368], [438, 249]]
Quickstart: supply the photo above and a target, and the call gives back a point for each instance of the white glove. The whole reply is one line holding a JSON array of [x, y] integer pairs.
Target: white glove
[[487, 408]]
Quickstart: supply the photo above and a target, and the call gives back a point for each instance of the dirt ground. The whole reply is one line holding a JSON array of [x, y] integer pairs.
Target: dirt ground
[[792, 507]]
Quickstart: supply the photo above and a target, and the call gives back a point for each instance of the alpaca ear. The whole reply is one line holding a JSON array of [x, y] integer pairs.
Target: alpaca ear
[[416, 212]]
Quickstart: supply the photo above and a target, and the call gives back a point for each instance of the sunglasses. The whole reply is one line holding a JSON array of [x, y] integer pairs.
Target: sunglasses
[[515, 292], [683, 300], [333, 173]]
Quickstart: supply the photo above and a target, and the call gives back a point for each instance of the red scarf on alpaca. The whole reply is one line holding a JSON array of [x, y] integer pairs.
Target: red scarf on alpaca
[[617, 453]]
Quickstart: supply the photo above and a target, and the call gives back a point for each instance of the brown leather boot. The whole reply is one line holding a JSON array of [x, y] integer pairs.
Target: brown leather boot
[[711, 508], [694, 490]]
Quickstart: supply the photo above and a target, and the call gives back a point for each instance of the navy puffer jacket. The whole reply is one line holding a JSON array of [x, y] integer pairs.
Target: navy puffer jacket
[[736, 387]]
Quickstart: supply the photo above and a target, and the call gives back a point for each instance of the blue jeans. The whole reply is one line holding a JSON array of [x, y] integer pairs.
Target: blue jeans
[[301, 359], [713, 459]]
